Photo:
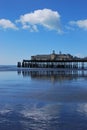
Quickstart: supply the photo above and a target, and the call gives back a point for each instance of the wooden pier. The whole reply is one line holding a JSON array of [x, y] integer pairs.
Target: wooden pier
[[65, 64]]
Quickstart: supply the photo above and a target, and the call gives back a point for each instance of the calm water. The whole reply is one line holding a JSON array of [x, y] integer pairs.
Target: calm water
[[43, 101]]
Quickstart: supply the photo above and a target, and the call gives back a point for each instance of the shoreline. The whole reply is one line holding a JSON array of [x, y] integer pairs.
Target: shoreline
[[41, 69]]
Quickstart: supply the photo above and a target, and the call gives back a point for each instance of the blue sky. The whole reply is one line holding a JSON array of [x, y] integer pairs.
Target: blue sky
[[30, 27]]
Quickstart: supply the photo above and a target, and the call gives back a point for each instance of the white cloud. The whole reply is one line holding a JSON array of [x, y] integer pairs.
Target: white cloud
[[80, 23], [32, 28], [5, 24], [46, 18]]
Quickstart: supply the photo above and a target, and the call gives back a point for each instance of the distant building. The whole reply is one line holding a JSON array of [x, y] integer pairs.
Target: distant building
[[52, 56]]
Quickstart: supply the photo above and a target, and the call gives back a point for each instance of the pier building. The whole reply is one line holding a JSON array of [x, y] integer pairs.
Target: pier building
[[52, 57]]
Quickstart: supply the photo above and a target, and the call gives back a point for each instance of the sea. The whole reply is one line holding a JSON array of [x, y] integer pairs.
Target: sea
[[42, 100]]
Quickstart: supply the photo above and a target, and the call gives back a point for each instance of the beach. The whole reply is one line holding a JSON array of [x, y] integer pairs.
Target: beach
[[42, 101]]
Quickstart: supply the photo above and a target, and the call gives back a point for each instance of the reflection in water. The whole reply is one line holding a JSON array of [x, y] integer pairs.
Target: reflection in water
[[45, 117], [29, 104], [53, 75], [82, 108]]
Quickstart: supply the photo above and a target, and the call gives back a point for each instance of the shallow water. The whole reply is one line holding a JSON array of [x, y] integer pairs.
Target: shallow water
[[43, 101]]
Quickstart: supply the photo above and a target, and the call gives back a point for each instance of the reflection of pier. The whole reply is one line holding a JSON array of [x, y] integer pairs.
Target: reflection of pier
[[53, 75]]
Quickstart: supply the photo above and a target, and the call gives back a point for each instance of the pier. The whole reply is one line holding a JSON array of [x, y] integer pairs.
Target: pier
[[67, 64], [64, 61]]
